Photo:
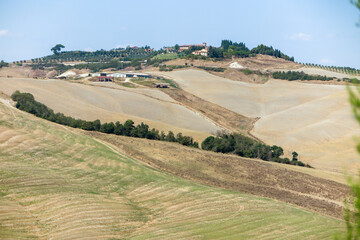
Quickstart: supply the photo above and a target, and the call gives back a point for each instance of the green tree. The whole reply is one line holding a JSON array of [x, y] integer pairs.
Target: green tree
[[57, 48], [170, 137], [3, 64], [295, 156], [97, 125]]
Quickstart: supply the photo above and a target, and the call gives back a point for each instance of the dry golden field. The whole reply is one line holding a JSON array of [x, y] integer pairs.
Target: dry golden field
[[314, 120], [114, 104]]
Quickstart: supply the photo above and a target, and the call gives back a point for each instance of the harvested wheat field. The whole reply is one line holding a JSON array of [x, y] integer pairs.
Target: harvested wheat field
[[113, 104], [59, 184], [314, 120]]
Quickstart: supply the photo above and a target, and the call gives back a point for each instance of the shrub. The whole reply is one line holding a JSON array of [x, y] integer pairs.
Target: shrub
[[27, 102]]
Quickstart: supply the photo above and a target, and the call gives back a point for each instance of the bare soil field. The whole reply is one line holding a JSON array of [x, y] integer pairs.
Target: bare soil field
[[227, 119], [59, 184], [149, 92], [113, 104], [314, 120], [238, 75], [15, 71]]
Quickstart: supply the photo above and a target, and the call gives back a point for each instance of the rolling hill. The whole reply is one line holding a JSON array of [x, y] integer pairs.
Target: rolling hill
[[58, 183], [114, 104], [312, 119]]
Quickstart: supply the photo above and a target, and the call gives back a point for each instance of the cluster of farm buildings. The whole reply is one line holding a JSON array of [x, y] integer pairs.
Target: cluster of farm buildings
[[108, 77], [202, 52]]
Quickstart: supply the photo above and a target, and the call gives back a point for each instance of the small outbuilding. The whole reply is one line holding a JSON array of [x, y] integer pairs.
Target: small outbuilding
[[105, 78], [162, 85]]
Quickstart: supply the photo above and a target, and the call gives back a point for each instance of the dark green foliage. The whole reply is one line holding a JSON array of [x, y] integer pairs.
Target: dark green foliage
[[293, 75], [247, 71], [230, 49], [98, 56], [214, 69], [257, 72], [57, 48], [107, 127], [27, 103], [265, 50], [346, 70], [170, 137], [3, 64], [171, 82], [246, 147], [215, 52], [94, 67], [294, 156], [168, 68]]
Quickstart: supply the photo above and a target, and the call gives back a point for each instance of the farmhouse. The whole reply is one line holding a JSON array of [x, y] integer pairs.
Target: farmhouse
[[202, 52], [187, 47], [169, 49], [122, 75], [105, 78], [117, 75], [137, 75]]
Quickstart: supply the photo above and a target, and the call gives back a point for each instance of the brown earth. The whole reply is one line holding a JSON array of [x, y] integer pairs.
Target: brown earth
[[232, 172], [238, 75], [222, 116], [15, 71]]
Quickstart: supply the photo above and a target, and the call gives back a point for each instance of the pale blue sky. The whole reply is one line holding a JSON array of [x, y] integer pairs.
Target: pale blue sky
[[317, 31]]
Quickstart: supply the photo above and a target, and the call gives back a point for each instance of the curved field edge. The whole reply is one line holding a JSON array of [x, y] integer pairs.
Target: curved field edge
[[292, 185], [58, 184]]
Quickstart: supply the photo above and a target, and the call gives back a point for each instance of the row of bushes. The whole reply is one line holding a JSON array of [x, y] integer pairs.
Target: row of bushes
[[226, 143], [214, 69], [249, 72], [247, 147], [99, 55], [293, 75], [168, 68], [27, 103], [230, 49], [94, 67]]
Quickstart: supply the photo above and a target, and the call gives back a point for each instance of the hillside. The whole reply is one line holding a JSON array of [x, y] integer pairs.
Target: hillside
[[292, 185], [314, 120], [114, 103], [59, 184]]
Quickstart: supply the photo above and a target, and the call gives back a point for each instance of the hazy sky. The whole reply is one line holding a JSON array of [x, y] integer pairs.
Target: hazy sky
[[316, 31]]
